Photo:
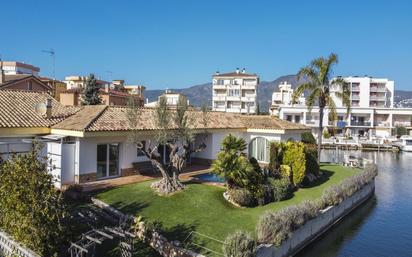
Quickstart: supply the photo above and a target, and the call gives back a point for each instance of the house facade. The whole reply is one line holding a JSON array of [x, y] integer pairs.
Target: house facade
[[235, 92], [91, 143]]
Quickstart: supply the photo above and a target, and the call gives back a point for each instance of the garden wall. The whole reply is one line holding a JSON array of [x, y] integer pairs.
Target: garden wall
[[317, 226]]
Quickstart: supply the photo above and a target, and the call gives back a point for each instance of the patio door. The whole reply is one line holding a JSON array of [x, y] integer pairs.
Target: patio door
[[107, 160]]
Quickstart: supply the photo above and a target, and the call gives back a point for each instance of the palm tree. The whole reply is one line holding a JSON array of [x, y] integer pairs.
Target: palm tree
[[321, 89]]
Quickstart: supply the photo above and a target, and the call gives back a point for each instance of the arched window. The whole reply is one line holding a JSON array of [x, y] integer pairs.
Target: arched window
[[259, 149]]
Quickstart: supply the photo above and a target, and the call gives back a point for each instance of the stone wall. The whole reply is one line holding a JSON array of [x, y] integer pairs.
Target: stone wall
[[317, 226]]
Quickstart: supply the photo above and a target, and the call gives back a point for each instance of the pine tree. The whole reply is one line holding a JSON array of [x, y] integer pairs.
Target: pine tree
[[90, 94]]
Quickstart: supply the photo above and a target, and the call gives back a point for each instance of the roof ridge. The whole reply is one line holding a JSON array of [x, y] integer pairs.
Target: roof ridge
[[95, 117]]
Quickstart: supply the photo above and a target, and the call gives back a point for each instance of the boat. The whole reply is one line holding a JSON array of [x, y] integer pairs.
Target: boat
[[405, 143]]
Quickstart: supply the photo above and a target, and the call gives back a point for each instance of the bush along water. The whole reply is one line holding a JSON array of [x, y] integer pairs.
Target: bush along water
[[275, 227], [239, 244]]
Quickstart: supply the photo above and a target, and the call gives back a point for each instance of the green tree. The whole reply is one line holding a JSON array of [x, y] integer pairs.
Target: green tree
[[294, 157], [400, 131], [319, 86], [90, 94], [308, 138], [232, 164], [31, 210], [175, 131]]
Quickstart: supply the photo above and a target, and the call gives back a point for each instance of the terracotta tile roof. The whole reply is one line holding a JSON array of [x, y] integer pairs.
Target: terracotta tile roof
[[113, 118], [17, 109], [14, 78]]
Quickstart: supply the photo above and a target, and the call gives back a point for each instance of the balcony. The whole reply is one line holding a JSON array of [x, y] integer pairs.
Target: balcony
[[249, 98], [219, 97], [355, 97], [355, 88], [382, 124], [377, 89], [377, 98], [402, 124], [216, 86], [360, 123]]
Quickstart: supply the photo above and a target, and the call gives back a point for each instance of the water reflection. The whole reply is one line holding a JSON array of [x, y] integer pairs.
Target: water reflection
[[383, 225]]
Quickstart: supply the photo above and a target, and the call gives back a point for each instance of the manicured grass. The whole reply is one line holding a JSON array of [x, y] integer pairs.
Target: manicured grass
[[202, 207]]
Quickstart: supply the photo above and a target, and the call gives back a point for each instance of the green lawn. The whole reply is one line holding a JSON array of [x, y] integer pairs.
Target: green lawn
[[202, 207]]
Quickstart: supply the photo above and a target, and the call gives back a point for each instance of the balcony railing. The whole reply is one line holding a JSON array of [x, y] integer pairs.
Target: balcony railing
[[402, 124], [377, 98], [377, 89], [355, 97], [360, 123], [382, 124], [355, 88]]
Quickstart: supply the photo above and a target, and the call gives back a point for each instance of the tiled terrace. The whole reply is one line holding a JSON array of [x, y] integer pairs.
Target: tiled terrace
[[120, 181]]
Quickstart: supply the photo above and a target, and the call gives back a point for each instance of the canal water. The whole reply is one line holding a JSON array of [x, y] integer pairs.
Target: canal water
[[383, 225]]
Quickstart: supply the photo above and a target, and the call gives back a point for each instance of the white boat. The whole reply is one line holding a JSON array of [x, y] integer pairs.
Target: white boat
[[405, 143]]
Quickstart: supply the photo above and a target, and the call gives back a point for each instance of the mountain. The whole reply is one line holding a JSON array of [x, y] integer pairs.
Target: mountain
[[202, 94]]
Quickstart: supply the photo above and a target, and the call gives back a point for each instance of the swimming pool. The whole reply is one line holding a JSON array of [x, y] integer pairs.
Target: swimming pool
[[209, 177]]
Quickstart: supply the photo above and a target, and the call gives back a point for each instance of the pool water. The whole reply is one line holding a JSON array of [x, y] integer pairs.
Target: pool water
[[209, 177]]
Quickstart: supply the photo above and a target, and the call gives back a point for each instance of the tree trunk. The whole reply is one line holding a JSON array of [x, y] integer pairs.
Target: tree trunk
[[320, 132]]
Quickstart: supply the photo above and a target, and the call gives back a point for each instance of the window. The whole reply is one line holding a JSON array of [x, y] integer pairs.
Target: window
[[297, 119], [30, 85], [259, 149], [220, 82], [107, 160], [139, 152], [289, 117], [234, 92]]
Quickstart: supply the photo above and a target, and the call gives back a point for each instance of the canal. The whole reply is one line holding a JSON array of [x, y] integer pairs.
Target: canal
[[383, 225]]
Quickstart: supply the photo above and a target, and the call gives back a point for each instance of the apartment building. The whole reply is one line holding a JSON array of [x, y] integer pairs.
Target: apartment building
[[15, 68], [75, 81], [235, 92], [371, 114]]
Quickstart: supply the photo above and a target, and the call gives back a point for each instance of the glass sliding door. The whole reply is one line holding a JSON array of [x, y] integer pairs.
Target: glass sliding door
[[101, 161], [107, 160], [113, 160]]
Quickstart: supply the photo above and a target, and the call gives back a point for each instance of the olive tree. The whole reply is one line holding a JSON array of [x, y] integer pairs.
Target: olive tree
[[175, 130]]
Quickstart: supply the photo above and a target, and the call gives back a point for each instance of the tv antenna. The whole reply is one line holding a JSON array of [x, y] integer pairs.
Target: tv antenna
[[52, 54]]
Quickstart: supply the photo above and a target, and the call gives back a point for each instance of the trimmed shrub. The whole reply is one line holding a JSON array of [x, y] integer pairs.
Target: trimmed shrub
[[243, 197], [285, 171], [240, 244], [311, 156], [326, 134], [308, 138], [294, 157], [277, 226], [280, 188]]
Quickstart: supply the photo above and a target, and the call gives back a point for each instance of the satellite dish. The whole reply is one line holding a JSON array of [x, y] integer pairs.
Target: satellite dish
[[41, 108]]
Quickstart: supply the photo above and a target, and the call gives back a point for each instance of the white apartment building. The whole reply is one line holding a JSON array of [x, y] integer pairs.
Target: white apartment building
[[14, 68], [371, 114], [75, 81], [172, 99], [235, 92]]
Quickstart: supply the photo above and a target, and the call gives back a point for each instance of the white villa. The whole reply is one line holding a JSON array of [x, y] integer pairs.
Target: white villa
[[372, 113], [89, 143], [235, 92]]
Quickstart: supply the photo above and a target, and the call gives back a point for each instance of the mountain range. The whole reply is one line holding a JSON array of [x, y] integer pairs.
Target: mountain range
[[202, 93]]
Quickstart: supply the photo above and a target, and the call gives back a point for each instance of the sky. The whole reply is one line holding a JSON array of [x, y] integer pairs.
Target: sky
[[180, 43]]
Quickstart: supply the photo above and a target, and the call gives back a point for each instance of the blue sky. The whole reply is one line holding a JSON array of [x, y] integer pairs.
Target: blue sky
[[174, 44]]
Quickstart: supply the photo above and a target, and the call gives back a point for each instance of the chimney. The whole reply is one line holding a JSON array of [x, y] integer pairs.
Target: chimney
[[237, 70], [243, 70], [106, 88], [2, 78], [48, 108], [217, 72]]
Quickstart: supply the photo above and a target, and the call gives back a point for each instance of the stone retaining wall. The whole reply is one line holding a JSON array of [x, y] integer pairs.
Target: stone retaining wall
[[317, 226]]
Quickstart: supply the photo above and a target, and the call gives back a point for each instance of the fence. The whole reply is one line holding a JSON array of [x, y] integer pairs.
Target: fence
[[9, 247]]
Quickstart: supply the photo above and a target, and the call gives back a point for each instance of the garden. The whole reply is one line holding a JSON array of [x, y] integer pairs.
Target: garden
[[292, 177]]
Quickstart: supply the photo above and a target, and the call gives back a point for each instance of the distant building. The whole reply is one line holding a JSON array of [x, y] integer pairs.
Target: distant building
[[235, 92], [79, 81], [371, 111], [14, 79], [172, 99], [14, 68], [134, 89], [56, 85]]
